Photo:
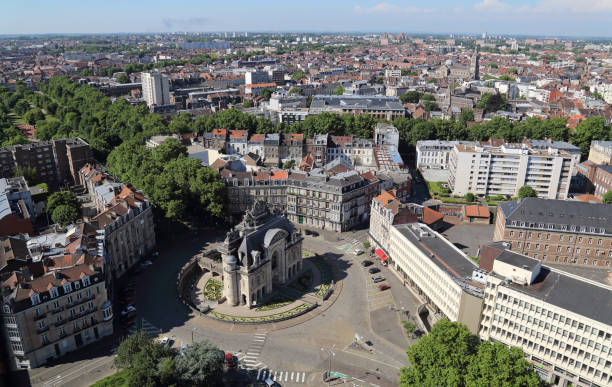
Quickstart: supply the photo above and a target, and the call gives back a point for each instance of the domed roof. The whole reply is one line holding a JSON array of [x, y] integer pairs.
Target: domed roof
[[231, 260], [274, 235]]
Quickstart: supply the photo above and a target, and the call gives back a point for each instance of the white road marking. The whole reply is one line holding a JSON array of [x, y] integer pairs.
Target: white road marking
[[303, 377], [292, 376], [259, 372]]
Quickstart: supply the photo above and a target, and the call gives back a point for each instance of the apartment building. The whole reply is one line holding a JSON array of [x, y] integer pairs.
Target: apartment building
[[125, 232], [448, 282], [386, 210], [53, 307], [16, 207], [435, 154], [557, 231], [600, 152], [246, 188], [237, 142], [337, 202], [387, 108], [602, 181], [56, 162], [503, 170], [386, 134], [357, 151], [562, 322], [155, 89]]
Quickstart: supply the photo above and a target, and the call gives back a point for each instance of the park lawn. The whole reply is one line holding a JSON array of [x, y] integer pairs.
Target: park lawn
[[436, 189], [119, 379]]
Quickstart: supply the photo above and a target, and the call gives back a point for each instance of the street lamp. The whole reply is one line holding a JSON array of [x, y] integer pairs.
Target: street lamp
[[330, 353]]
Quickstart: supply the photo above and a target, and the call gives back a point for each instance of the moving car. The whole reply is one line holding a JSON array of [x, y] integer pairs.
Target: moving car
[[366, 263], [165, 341], [378, 278], [358, 252], [382, 287]]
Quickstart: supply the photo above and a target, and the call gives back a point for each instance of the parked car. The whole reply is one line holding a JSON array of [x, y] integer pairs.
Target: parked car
[[366, 263], [378, 278], [128, 309], [165, 341], [382, 287], [373, 270], [315, 234], [358, 252], [307, 232], [183, 347]]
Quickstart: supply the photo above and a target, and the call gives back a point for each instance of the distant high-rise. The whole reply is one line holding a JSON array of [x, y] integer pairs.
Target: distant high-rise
[[484, 35], [155, 88]]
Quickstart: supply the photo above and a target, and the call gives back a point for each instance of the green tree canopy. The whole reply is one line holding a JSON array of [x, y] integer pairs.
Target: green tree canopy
[[123, 78], [470, 197], [62, 198], [201, 364], [607, 198], [339, 90], [452, 356], [411, 96], [65, 215], [527, 192]]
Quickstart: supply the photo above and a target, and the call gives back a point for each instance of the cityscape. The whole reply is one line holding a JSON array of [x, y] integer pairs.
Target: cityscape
[[324, 194]]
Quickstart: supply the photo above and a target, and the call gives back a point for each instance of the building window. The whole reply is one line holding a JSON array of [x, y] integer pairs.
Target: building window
[[35, 298], [67, 287], [86, 281], [53, 292], [45, 339]]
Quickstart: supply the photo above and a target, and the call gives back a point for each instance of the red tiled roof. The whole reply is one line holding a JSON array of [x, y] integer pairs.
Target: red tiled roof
[[477, 211], [431, 216], [384, 198], [219, 132], [279, 175]]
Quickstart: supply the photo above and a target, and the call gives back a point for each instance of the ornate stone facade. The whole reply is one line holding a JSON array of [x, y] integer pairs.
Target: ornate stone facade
[[260, 253]]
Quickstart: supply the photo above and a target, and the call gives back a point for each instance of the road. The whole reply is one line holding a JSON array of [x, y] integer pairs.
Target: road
[[295, 355]]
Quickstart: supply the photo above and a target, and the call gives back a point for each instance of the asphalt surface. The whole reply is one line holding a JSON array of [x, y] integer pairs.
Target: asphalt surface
[[296, 355]]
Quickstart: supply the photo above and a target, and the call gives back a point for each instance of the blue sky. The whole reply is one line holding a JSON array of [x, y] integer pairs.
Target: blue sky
[[526, 17]]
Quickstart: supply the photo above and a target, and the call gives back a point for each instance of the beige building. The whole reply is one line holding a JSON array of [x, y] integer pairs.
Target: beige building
[[562, 322], [601, 152], [503, 170], [446, 280], [49, 314], [557, 231], [262, 252]]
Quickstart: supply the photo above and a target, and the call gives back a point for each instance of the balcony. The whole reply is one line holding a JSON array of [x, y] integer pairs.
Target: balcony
[[43, 329], [84, 313]]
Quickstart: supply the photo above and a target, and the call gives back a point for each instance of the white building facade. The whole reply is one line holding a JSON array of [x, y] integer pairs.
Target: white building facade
[[155, 88]]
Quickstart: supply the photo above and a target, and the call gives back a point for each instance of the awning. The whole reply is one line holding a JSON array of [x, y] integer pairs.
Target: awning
[[382, 255]]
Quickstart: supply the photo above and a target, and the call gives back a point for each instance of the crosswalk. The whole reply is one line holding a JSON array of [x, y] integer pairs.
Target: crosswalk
[[146, 326], [249, 359], [282, 376]]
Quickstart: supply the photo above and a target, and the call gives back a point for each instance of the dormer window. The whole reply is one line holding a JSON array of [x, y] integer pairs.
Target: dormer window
[[67, 287], [53, 292], [77, 285], [35, 299], [86, 281]]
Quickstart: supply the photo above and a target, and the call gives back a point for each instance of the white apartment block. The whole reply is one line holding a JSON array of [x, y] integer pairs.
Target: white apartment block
[[503, 170], [255, 77], [562, 322], [435, 154], [155, 88], [440, 275], [360, 152]]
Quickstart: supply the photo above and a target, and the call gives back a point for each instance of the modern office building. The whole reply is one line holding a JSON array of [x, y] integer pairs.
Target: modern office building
[[435, 154], [447, 281], [253, 77], [155, 88], [562, 322], [388, 108], [502, 170], [557, 231]]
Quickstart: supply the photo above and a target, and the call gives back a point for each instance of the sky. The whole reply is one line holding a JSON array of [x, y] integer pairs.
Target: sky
[[518, 17]]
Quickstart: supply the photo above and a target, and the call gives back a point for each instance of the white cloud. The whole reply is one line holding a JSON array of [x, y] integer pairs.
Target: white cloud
[[389, 8]]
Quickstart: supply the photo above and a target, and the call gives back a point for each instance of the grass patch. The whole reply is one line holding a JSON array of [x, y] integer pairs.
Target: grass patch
[[212, 290], [276, 302], [291, 312], [119, 379], [437, 189], [409, 327], [322, 291], [307, 254], [477, 260]]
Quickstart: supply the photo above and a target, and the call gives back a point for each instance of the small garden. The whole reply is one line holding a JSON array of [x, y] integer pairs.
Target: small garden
[[276, 302], [261, 319], [212, 290]]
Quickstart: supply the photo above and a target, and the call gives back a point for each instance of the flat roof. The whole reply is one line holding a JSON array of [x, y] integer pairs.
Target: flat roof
[[445, 254], [518, 260], [572, 293]]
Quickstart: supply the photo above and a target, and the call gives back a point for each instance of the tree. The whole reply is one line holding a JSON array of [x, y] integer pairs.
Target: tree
[[593, 128], [470, 197], [607, 198], [450, 355], [527, 192], [200, 364], [60, 198], [339, 90], [497, 365], [123, 78], [441, 357], [289, 164], [64, 215], [34, 115], [267, 93], [296, 76], [248, 103], [411, 96], [21, 107]]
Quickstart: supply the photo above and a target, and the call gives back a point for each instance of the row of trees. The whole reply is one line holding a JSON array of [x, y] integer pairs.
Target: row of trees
[[450, 355], [145, 362], [180, 186]]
